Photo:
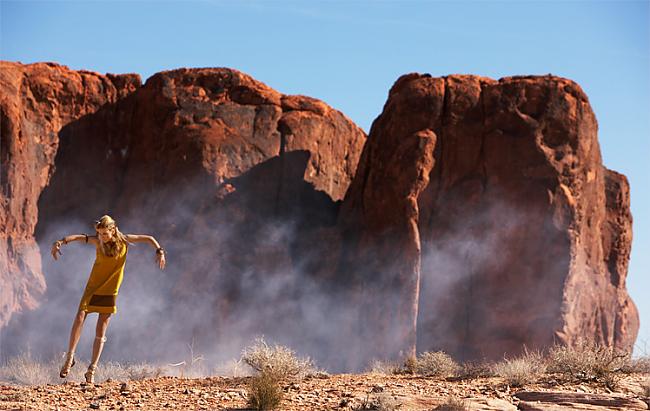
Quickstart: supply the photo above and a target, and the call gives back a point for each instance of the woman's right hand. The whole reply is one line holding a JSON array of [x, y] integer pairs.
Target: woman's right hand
[[56, 248]]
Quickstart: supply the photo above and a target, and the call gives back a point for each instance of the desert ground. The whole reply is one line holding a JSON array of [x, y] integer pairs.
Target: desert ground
[[333, 392]]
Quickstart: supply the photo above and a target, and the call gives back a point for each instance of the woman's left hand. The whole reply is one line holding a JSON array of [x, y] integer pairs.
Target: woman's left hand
[[160, 259]]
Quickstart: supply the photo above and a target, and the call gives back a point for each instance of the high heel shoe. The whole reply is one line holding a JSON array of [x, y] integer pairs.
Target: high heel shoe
[[90, 374], [69, 363]]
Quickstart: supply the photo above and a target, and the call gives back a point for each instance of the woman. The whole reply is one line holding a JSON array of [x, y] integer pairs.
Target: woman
[[103, 284]]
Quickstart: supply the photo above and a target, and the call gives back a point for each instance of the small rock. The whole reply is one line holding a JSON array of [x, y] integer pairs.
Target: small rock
[[94, 405]]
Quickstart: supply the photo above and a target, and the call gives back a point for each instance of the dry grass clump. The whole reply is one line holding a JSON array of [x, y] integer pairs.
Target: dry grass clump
[[435, 364], [453, 404], [520, 371], [264, 392], [429, 364], [588, 362], [384, 368], [516, 372], [107, 370], [26, 370], [278, 361]]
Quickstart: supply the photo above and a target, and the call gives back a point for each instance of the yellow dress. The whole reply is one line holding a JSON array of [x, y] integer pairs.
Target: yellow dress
[[104, 282]]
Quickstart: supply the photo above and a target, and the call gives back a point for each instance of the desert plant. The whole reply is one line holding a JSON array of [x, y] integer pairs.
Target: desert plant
[[452, 404], [384, 368], [24, 369], [436, 364], [521, 370], [278, 360], [518, 371], [264, 392], [109, 370], [585, 361]]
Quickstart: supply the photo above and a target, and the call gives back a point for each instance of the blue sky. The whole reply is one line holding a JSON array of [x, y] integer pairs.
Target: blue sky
[[349, 53]]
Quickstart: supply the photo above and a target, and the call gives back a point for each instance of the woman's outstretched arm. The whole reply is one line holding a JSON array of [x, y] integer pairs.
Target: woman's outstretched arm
[[143, 238], [56, 246]]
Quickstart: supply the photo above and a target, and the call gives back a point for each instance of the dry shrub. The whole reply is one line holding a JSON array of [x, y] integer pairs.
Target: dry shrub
[[452, 404], [436, 364], [279, 361], [588, 362], [384, 368], [26, 370], [521, 370], [264, 392]]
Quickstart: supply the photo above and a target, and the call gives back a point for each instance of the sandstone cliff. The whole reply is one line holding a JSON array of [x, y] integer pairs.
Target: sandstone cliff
[[491, 195], [476, 218]]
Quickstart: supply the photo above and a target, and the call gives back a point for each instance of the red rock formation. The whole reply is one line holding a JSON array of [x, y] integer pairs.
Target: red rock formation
[[519, 244], [214, 124], [36, 101], [227, 173], [480, 218]]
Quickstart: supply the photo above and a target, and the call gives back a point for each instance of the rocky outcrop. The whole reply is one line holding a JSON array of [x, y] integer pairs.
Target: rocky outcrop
[[518, 232], [36, 102], [479, 219], [186, 125], [235, 175]]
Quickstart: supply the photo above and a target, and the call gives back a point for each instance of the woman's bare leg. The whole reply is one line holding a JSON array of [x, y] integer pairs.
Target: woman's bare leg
[[75, 333], [100, 332]]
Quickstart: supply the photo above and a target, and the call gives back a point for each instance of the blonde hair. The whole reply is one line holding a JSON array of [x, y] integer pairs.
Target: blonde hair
[[114, 247]]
